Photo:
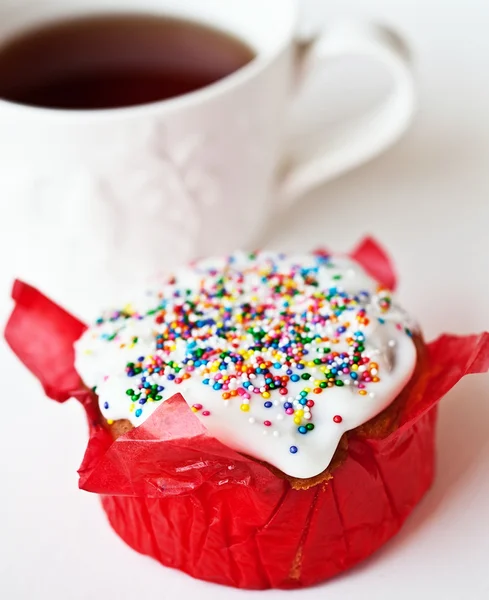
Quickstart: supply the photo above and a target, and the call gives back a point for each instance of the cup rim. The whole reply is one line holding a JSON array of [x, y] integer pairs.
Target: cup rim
[[200, 96]]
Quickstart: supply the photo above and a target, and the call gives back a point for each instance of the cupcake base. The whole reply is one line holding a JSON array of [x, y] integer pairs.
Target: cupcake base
[[227, 535]]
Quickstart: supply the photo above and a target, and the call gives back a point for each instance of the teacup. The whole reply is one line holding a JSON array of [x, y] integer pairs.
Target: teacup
[[98, 201]]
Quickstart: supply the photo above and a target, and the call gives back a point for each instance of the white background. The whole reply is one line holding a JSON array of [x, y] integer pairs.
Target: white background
[[428, 201]]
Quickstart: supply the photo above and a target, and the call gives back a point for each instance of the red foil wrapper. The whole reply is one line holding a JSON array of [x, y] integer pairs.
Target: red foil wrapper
[[175, 493]]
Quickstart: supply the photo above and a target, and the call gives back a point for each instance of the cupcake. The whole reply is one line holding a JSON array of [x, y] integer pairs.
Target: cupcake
[[258, 420]]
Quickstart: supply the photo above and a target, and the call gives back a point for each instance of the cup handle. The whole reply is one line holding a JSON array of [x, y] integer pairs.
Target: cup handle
[[372, 132]]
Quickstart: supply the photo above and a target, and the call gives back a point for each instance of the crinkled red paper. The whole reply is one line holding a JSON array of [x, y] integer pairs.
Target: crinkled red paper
[[175, 493]]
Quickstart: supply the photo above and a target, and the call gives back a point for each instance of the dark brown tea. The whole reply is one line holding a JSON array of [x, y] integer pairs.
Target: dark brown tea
[[115, 61]]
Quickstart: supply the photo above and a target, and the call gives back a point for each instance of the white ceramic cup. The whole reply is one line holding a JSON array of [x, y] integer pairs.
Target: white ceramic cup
[[98, 201]]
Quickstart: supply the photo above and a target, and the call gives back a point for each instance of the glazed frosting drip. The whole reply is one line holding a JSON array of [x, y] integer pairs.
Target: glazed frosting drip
[[277, 355]]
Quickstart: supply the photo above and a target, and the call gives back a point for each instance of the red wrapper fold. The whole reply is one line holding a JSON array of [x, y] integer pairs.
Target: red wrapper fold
[[175, 493]]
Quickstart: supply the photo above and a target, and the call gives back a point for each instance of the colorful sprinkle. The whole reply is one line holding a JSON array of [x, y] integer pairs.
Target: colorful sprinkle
[[260, 333]]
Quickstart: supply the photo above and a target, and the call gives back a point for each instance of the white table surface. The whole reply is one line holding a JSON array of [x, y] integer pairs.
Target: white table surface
[[428, 201]]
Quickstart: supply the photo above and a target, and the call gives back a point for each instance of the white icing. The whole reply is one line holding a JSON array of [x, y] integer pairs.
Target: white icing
[[102, 362]]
